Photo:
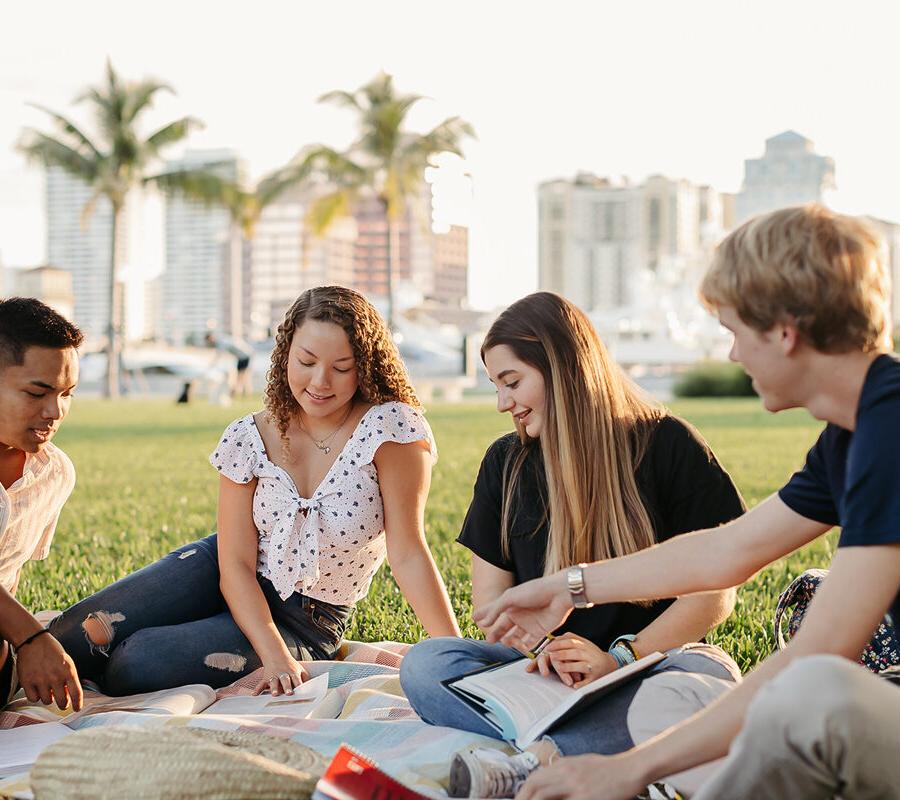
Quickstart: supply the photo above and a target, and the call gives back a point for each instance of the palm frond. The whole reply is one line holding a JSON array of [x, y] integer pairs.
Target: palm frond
[[172, 133], [379, 90], [204, 186], [341, 98], [140, 96], [324, 210], [87, 210], [394, 191], [70, 128], [46, 150], [313, 163], [448, 135]]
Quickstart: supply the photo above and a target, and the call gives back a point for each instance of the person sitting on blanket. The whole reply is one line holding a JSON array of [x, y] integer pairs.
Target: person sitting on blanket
[[314, 491], [805, 294], [594, 470], [38, 374]]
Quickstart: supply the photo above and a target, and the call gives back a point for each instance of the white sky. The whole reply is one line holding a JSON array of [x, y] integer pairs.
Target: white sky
[[686, 89]]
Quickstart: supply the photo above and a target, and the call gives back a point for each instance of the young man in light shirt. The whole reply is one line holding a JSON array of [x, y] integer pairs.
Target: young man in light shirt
[[38, 374], [805, 294]]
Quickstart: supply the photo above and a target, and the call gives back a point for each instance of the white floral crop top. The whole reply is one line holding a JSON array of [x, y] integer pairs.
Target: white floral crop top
[[330, 545]]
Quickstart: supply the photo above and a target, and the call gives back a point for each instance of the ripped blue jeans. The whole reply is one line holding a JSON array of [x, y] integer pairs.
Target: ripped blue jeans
[[169, 625]]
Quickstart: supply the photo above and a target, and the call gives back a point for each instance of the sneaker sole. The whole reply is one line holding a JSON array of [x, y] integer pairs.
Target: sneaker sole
[[460, 778]]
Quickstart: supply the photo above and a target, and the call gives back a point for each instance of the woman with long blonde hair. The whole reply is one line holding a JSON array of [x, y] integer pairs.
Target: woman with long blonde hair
[[314, 491], [593, 470]]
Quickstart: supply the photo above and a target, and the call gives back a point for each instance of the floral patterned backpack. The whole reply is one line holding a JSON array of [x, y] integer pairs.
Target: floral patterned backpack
[[880, 654]]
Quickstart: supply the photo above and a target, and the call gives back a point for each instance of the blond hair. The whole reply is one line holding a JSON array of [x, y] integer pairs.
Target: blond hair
[[380, 371], [596, 429], [820, 270]]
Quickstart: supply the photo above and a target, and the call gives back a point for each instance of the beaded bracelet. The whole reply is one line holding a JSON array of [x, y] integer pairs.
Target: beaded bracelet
[[628, 641], [621, 655], [29, 639]]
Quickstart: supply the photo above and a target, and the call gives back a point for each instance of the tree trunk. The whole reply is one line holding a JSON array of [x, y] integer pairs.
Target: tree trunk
[[235, 282], [393, 255], [113, 346]]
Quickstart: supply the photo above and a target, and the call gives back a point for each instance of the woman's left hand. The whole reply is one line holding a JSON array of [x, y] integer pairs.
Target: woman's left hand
[[577, 661]]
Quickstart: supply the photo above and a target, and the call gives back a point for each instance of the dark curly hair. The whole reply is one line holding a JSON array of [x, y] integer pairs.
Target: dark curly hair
[[380, 370]]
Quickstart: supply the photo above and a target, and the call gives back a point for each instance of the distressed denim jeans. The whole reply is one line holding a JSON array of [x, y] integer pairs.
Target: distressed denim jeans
[[169, 625]]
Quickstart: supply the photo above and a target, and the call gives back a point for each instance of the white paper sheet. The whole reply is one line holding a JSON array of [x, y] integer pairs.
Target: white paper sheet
[[300, 703], [20, 747]]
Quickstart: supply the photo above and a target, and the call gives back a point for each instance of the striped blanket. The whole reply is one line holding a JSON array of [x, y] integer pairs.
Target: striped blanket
[[364, 706]]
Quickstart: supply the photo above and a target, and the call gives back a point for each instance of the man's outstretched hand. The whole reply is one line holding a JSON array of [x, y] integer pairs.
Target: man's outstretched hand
[[524, 614]]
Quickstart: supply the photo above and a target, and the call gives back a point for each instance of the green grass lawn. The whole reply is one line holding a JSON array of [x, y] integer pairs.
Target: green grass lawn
[[145, 486]]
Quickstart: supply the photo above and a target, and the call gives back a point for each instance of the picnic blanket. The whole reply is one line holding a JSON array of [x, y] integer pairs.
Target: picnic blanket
[[364, 706]]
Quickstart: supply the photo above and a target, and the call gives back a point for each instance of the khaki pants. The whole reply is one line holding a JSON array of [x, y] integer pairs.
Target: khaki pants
[[823, 728]]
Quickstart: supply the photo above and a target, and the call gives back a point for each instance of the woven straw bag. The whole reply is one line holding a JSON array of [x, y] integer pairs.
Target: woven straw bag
[[140, 764]]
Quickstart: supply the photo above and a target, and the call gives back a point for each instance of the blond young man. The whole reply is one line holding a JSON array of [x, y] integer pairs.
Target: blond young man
[[804, 293], [38, 374]]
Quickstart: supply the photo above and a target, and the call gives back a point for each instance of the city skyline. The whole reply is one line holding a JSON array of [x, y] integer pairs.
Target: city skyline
[[604, 89]]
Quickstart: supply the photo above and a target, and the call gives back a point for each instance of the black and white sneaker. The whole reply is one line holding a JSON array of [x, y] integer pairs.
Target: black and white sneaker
[[659, 791], [484, 772]]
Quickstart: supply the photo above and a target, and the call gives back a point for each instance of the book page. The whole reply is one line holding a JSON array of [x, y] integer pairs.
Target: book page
[[533, 703], [20, 747], [300, 703], [526, 696], [181, 701]]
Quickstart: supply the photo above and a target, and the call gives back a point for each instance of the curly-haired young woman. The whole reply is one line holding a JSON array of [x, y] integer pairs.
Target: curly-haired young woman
[[314, 491]]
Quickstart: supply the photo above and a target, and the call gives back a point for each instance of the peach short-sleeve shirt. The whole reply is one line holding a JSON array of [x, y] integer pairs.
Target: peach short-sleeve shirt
[[29, 510]]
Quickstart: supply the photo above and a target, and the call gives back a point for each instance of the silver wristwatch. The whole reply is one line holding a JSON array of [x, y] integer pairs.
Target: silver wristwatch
[[575, 581]]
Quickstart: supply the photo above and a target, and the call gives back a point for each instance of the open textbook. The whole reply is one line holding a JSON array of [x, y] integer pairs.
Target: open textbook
[[20, 747], [523, 705]]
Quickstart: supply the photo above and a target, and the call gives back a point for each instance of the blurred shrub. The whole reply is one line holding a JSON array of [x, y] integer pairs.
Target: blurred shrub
[[714, 379]]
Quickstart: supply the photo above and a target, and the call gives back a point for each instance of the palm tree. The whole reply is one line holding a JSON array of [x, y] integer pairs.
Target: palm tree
[[385, 161], [113, 164]]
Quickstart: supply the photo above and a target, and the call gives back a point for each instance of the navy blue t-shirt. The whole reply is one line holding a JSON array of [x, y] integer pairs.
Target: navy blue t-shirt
[[852, 478]]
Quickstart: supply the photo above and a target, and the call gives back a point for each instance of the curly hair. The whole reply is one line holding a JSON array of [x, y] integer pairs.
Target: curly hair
[[380, 370]]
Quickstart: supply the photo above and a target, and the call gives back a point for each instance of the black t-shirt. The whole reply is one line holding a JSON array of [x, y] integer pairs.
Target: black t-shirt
[[683, 489], [852, 478]]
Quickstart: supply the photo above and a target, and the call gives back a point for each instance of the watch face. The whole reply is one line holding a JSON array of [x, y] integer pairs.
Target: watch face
[[575, 579]]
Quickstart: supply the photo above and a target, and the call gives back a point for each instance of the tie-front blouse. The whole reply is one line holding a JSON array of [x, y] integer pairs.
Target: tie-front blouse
[[328, 546]]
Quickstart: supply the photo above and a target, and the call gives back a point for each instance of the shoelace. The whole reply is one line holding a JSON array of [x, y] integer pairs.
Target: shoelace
[[506, 778]]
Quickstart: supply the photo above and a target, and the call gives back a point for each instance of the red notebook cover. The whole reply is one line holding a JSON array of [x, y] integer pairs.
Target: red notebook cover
[[353, 776]]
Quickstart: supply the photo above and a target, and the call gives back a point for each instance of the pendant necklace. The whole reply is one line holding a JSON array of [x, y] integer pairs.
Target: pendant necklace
[[322, 444]]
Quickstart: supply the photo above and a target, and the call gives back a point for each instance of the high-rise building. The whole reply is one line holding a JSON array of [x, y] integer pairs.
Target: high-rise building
[[450, 258], [81, 245], [890, 233], [790, 173], [50, 285], [371, 252], [599, 241], [427, 265], [286, 258], [203, 258]]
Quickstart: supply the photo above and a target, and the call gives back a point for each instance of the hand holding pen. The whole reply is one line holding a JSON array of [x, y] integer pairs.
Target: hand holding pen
[[577, 661]]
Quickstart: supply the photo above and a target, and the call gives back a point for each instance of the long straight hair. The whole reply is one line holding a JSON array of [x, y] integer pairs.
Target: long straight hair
[[596, 428]]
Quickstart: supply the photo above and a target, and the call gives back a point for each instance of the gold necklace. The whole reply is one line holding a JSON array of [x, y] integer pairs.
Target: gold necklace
[[322, 444]]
